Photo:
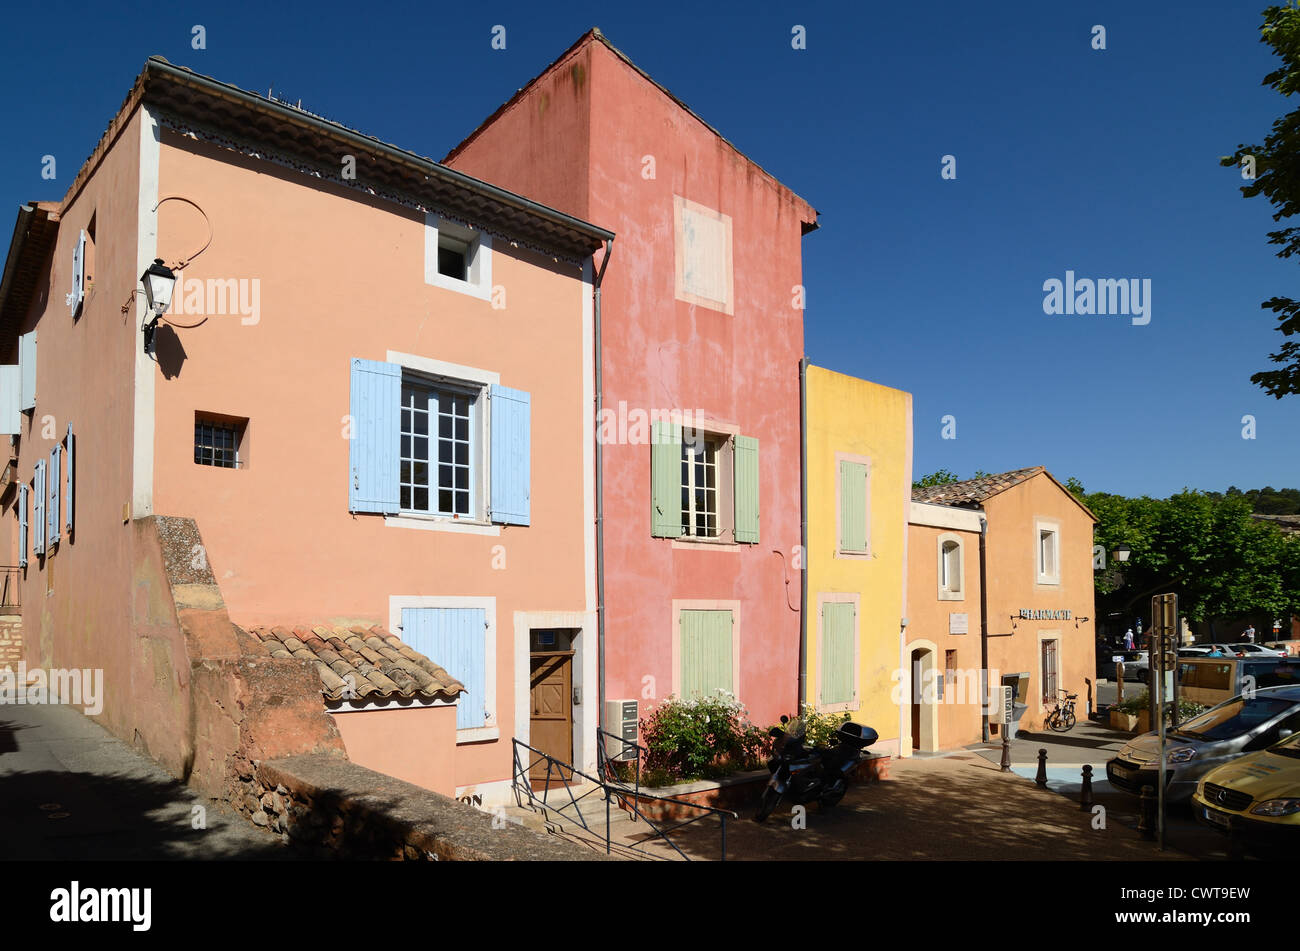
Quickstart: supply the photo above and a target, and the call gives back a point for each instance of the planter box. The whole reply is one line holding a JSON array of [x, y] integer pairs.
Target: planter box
[[1126, 722], [734, 792]]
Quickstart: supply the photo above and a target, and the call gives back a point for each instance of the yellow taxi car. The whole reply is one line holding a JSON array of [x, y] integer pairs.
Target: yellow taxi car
[[1256, 796]]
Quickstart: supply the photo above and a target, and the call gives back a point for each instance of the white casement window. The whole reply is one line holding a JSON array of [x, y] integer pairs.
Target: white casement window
[[706, 480], [440, 430], [1048, 551], [457, 258], [951, 569]]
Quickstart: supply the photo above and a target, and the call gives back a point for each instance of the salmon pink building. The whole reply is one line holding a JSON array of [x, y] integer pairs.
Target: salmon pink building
[[701, 326], [360, 437]]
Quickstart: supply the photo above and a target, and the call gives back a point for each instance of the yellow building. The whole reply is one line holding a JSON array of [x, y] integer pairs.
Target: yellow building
[[859, 491]]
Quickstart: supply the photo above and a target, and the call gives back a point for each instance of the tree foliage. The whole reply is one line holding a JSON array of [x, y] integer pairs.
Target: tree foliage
[[1276, 168], [1207, 548]]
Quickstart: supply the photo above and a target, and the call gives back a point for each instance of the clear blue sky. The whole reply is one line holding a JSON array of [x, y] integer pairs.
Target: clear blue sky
[[1103, 162]]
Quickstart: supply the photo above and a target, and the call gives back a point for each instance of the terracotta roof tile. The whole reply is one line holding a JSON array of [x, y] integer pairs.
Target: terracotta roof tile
[[974, 491], [370, 662]]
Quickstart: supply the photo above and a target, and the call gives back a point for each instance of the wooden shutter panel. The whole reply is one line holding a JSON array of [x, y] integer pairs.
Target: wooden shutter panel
[[374, 450], [22, 525], [78, 291], [11, 392], [53, 487], [455, 639], [38, 509], [511, 455], [746, 488], [68, 494], [706, 652], [27, 361], [665, 479], [853, 506], [837, 652]]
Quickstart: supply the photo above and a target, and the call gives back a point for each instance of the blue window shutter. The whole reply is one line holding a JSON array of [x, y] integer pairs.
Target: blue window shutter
[[375, 447], [38, 509], [11, 391], [455, 639], [27, 361], [68, 494], [511, 455], [22, 525], [52, 509], [78, 275]]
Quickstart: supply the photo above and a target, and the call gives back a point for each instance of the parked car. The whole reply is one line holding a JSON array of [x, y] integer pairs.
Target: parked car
[[1255, 797], [1193, 651], [1247, 649], [1137, 665], [1223, 733], [1212, 680]]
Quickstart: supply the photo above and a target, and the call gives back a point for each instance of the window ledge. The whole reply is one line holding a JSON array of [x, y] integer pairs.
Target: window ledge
[[952, 595], [848, 706], [689, 542], [1052, 582], [440, 523], [478, 734], [853, 555]]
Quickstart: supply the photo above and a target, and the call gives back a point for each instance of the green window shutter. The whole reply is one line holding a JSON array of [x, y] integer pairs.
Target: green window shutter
[[853, 506], [837, 652], [746, 489], [665, 480], [706, 652]]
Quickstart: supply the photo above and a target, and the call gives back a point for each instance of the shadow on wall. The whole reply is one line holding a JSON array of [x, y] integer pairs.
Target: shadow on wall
[[169, 351]]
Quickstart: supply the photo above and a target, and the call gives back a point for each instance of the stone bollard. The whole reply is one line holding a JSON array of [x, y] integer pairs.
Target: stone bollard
[[1041, 778], [1085, 795], [1147, 813], [1006, 752]]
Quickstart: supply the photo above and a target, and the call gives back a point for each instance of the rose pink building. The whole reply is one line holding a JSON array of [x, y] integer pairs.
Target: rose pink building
[[371, 395], [702, 328]]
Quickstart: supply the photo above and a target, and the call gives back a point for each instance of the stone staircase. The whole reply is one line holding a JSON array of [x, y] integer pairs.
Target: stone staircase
[[560, 818]]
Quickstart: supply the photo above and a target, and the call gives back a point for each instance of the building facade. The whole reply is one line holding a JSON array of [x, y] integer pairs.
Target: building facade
[[1025, 614], [370, 394], [701, 338], [859, 485]]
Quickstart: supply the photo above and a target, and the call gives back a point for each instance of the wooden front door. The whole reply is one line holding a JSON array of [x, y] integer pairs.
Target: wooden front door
[[551, 704]]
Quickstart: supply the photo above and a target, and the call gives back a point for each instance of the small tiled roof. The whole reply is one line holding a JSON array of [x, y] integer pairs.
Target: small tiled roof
[[1287, 524], [974, 491], [367, 663]]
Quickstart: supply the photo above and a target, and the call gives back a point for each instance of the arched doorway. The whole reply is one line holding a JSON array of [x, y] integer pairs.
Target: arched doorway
[[923, 713]]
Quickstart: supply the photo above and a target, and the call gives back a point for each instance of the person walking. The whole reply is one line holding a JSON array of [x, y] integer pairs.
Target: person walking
[[1128, 639], [1250, 634]]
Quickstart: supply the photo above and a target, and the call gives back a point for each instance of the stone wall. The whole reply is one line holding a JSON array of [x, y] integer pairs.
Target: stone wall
[[333, 808]]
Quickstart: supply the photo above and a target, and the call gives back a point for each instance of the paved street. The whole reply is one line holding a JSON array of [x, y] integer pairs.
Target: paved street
[[69, 790]]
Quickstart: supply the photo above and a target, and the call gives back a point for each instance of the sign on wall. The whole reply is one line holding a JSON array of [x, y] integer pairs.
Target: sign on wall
[[958, 623]]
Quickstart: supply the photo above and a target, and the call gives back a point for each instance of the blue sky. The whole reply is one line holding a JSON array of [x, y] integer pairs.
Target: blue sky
[[1068, 158]]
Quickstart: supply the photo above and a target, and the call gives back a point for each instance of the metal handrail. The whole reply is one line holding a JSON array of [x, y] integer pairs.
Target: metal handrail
[[523, 787], [605, 765]]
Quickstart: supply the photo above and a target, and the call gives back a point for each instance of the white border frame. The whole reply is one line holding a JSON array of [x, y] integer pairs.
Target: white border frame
[[586, 715], [947, 594], [480, 283], [1042, 523], [491, 730]]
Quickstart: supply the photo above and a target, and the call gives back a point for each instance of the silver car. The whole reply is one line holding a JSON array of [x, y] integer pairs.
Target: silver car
[[1237, 726]]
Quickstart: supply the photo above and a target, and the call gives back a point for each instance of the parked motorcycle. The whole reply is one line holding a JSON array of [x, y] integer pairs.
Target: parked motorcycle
[[803, 775]]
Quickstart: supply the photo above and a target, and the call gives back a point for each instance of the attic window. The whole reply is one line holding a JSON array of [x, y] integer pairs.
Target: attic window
[[457, 258], [451, 258]]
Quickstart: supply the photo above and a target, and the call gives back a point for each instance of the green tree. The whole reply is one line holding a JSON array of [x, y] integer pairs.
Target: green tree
[[939, 477], [1275, 166]]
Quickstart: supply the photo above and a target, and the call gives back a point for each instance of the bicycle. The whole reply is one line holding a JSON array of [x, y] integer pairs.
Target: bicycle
[[1061, 717]]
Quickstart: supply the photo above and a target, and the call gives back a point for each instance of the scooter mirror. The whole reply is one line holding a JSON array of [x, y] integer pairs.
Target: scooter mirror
[[784, 718]]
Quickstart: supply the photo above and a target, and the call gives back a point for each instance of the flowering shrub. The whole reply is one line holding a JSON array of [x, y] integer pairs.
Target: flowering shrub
[[702, 738], [820, 727]]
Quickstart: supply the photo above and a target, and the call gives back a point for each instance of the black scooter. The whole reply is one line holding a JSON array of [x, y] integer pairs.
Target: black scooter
[[803, 775]]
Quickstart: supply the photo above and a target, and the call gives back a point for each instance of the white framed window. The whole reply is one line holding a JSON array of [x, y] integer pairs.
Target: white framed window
[[1047, 551], [457, 258], [952, 581], [441, 445], [706, 472]]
